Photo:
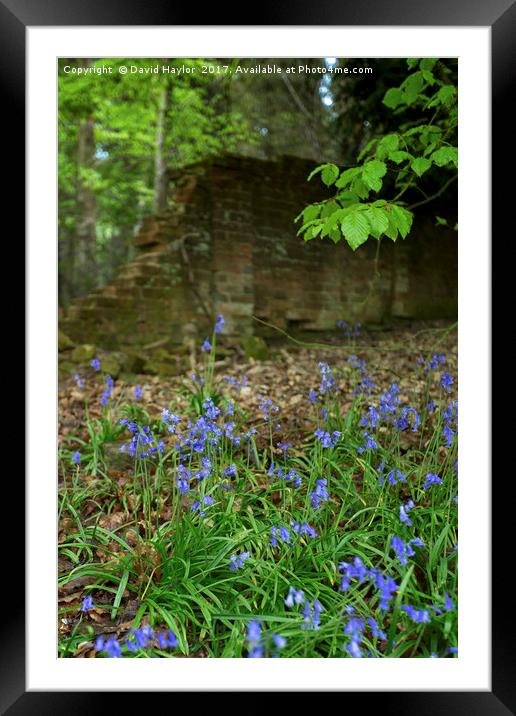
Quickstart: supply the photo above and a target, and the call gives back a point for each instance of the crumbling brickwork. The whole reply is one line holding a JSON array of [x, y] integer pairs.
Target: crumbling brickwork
[[227, 244]]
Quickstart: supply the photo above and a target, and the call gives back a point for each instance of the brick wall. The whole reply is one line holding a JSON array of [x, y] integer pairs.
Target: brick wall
[[227, 244]]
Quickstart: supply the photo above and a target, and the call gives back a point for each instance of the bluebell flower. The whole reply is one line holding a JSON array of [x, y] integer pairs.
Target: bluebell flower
[[375, 629], [211, 409], [76, 457], [142, 443], [394, 477], [205, 469], [267, 408], [447, 382], [369, 444], [366, 384], [110, 646], [294, 596], [183, 479], [431, 479], [435, 361], [138, 392], [230, 471], [404, 550], [354, 629], [353, 649], [386, 586], [404, 509], [143, 638], [292, 476], [219, 323], [284, 534], [327, 380], [279, 641], [87, 604], [105, 398], [95, 364], [254, 635], [249, 434], [371, 418], [206, 501], [167, 640], [237, 561], [419, 616], [320, 494], [449, 606], [326, 439], [402, 422], [303, 529], [312, 397], [206, 346], [356, 570], [78, 381], [285, 447], [170, 420], [311, 614]]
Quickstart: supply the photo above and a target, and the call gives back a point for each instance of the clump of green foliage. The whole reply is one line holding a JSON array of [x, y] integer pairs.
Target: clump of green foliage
[[393, 164]]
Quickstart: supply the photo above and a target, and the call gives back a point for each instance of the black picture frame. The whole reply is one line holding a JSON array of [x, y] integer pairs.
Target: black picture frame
[[500, 16]]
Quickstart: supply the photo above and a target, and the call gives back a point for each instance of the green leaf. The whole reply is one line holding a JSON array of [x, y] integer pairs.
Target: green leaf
[[330, 174], [316, 171], [328, 208], [439, 221], [412, 86], [367, 148], [360, 188], [403, 219], [392, 229], [445, 155], [393, 98], [355, 228], [420, 165], [335, 235], [378, 220], [347, 198], [399, 156], [314, 230], [412, 62], [346, 177], [387, 145], [428, 77], [372, 173], [311, 212], [119, 593], [445, 95], [427, 63], [331, 222]]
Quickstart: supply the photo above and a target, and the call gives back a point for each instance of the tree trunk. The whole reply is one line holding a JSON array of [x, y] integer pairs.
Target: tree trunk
[[160, 161], [85, 260]]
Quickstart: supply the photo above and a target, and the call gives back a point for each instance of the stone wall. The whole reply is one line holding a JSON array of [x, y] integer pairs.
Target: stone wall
[[228, 244]]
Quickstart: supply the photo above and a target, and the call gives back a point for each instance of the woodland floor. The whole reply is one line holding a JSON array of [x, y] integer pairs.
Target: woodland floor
[[287, 377]]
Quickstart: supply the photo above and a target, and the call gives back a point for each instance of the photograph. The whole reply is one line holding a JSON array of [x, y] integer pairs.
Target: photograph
[[257, 398]]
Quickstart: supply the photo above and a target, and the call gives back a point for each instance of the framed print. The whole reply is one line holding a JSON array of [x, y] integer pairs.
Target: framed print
[[263, 253]]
